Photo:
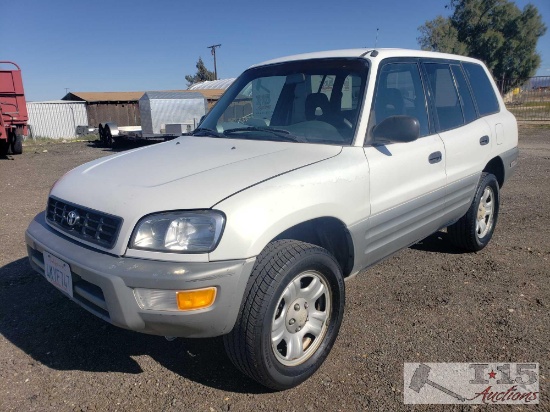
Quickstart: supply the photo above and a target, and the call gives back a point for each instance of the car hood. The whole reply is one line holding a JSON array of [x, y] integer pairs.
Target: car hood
[[186, 173]]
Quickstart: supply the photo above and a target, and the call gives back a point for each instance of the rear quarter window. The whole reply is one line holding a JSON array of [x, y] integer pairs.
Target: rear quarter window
[[484, 94], [468, 107]]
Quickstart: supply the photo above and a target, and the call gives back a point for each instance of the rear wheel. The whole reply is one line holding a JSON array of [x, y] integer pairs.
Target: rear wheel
[[17, 144], [290, 315], [474, 230]]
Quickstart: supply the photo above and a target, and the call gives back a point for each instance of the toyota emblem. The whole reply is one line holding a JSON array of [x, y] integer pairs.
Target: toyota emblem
[[72, 218]]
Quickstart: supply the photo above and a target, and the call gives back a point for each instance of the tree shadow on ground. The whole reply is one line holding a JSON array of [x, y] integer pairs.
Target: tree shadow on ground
[[58, 333]]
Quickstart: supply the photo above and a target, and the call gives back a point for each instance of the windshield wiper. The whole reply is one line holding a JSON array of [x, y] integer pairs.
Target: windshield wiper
[[205, 131], [280, 133]]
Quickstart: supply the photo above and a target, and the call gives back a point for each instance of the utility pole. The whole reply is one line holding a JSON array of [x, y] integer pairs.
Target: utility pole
[[213, 50], [66, 90]]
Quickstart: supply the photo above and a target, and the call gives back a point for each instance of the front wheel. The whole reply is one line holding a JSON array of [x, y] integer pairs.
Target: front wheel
[[474, 230], [290, 315]]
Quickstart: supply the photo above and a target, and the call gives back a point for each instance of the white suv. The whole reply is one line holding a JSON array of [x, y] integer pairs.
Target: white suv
[[308, 170]]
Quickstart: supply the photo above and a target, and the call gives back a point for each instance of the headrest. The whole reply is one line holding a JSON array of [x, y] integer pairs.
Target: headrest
[[314, 101]]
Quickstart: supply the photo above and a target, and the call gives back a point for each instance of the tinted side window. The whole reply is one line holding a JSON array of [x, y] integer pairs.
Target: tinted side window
[[482, 88], [445, 96], [399, 92], [465, 95]]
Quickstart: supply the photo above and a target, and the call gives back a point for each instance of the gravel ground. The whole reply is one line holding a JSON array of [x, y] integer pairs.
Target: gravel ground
[[428, 303]]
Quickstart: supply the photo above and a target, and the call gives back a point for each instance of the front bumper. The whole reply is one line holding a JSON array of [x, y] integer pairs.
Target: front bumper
[[104, 285]]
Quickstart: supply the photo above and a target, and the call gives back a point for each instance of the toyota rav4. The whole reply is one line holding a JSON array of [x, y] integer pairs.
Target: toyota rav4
[[309, 170]]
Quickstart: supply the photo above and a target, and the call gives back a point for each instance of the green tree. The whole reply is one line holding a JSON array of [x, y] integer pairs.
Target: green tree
[[440, 35], [202, 74], [494, 31]]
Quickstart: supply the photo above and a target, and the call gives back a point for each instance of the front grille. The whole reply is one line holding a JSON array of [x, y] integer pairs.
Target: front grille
[[90, 225]]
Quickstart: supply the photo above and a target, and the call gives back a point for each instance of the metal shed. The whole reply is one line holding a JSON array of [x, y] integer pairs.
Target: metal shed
[[212, 89], [157, 109], [56, 119], [221, 84]]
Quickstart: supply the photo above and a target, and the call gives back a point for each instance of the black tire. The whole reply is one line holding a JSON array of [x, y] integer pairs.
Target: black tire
[[17, 144], [465, 234], [101, 131], [3, 147], [108, 136], [249, 344]]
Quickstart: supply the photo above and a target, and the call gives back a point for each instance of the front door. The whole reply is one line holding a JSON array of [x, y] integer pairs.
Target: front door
[[407, 180]]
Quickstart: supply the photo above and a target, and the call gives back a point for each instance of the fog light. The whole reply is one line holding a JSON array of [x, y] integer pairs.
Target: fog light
[[196, 299]]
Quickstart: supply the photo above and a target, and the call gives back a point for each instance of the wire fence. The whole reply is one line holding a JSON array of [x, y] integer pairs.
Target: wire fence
[[528, 99]]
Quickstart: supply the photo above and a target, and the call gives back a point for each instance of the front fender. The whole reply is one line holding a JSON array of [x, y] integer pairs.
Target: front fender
[[337, 187]]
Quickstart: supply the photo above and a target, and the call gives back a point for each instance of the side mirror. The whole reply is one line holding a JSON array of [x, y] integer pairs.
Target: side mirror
[[397, 129]]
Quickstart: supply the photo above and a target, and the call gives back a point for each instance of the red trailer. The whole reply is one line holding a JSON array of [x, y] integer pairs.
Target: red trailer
[[13, 110]]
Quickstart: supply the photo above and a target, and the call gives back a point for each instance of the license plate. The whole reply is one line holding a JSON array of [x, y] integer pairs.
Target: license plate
[[58, 273]]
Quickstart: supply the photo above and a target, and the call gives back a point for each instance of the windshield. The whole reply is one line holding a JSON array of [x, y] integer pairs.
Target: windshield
[[312, 101]]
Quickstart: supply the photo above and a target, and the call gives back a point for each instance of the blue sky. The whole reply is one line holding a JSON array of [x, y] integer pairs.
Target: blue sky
[[122, 45]]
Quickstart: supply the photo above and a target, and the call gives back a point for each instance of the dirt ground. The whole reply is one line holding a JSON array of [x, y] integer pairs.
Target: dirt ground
[[428, 303]]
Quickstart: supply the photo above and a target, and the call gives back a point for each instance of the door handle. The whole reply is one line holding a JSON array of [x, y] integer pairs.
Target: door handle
[[484, 140], [435, 157]]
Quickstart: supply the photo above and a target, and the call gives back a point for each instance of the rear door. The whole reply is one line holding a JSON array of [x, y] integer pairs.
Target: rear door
[[466, 136], [407, 179]]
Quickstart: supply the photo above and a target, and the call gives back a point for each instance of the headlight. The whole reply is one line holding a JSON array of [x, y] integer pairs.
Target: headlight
[[187, 232]]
